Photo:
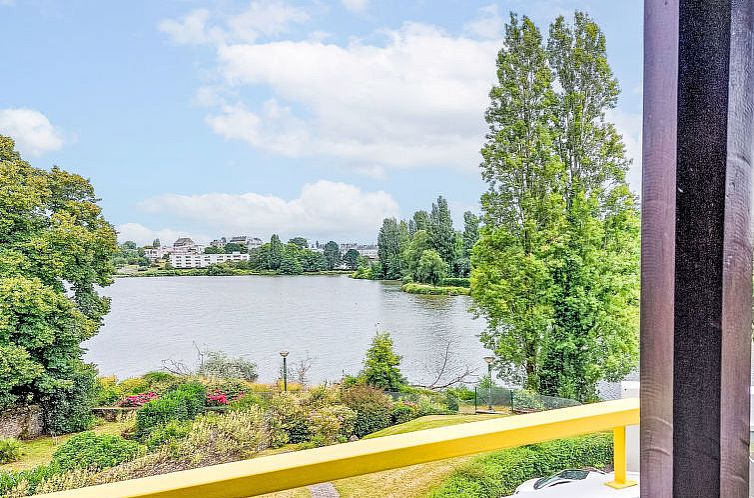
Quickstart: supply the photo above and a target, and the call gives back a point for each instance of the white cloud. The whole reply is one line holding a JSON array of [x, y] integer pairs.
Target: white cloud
[[32, 131], [322, 209], [416, 100], [357, 6], [263, 18], [143, 235], [489, 24]]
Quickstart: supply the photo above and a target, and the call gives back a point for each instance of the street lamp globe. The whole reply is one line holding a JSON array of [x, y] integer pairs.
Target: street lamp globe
[[284, 353], [489, 359]]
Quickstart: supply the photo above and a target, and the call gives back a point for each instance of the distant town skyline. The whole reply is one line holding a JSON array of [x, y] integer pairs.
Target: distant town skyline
[[309, 118]]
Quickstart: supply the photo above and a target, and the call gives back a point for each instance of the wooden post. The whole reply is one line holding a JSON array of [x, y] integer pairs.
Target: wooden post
[[696, 248]]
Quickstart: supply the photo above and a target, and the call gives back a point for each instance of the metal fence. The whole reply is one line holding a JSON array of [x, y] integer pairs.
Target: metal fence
[[516, 400]]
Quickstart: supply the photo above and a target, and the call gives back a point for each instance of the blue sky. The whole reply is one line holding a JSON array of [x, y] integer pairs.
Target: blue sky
[[315, 118]]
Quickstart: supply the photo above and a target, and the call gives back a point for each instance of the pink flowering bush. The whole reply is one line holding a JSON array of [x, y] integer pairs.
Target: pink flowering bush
[[138, 399]]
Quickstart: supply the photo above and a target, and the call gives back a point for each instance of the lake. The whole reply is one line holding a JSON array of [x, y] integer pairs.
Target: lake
[[330, 318]]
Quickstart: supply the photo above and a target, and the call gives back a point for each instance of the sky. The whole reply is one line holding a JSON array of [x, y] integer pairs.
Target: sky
[[314, 118]]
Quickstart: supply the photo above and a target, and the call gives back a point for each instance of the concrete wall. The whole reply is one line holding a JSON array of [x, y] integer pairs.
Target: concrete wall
[[21, 422], [630, 389]]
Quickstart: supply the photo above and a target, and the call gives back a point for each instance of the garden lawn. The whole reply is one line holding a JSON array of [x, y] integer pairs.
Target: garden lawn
[[39, 451], [414, 481]]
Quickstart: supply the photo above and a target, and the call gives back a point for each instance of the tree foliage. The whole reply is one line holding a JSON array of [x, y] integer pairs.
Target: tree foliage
[[382, 364], [55, 251], [331, 251], [556, 267]]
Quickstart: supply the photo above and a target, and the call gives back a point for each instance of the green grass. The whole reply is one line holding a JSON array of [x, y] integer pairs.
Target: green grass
[[39, 451], [409, 482], [430, 422]]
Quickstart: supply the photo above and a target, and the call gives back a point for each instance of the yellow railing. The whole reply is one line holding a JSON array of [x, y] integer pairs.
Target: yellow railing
[[291, 470]]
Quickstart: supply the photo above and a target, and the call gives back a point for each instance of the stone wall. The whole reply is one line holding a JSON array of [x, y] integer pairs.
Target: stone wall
[[21, 422]]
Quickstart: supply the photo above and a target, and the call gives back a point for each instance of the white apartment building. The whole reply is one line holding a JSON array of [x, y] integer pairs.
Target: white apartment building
[[193, 260], [154, 253]]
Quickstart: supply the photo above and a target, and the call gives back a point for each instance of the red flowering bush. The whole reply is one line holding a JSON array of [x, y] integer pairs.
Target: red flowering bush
[[138, 399], [217, 399]]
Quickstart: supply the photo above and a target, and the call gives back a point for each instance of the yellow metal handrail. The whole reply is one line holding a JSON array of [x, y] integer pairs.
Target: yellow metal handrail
[[292, 470]]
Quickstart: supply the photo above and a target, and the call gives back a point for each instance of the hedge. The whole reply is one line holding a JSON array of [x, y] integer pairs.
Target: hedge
[[413, 288], [456, 282], [185, 402], [498, 474]]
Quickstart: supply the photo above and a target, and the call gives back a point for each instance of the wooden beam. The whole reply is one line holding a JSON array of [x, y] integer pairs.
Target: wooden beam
[[696, 248]]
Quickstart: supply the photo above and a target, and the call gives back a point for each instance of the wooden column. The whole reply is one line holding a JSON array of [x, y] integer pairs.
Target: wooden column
[[696, 248]]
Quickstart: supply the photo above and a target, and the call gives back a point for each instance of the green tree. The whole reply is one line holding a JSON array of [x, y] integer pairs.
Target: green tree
[[289, 264], [556, 268], [55, 252], [300, 242], [232, 247], [274, 253], [351, 258], [431, 269], [511, 282], [419, 221], [389, 248], [312, 261], [441, 234], [470, 232], [331, 252], [413, 253], [382, 364], [595, 303], [212, 250]]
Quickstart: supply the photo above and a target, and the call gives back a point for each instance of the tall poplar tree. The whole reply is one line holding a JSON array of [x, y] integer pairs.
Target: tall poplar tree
[[441, 234], [595, 301], [521, 210], [556, 268]]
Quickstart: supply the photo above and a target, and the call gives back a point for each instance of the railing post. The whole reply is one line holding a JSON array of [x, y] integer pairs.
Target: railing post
[[620, 480]]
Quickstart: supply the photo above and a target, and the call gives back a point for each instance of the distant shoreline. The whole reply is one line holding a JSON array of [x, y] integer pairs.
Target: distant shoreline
[[202, 272]]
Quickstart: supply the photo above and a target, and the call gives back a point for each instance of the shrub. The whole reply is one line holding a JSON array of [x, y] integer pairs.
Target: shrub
[[404, 411], [138, 399], [373, 409], [10, 450], [292, 419], [132, 386], [89, 450], [246, 402], [499, 473], [185, 402], [231, 388], [219, 365], [331, 424], [170, 432], [451, 402], [107, 393]]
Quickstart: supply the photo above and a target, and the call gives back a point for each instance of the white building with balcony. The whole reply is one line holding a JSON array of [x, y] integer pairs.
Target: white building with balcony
[[194, 260]]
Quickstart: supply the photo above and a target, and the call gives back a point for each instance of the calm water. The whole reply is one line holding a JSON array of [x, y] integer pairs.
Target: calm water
[[330, 318]]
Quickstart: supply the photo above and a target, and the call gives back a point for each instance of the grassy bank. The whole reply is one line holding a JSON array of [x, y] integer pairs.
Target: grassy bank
[[442, 290], [409, 482]]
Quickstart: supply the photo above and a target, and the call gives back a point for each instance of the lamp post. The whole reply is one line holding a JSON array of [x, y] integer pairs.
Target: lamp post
[[489, 360], [284, 354]]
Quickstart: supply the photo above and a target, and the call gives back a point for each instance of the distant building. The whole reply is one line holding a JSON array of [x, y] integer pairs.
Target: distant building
[[194, 260], [155, 253], [220, 243], [368, 251], [185, 245], [250, 242]]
